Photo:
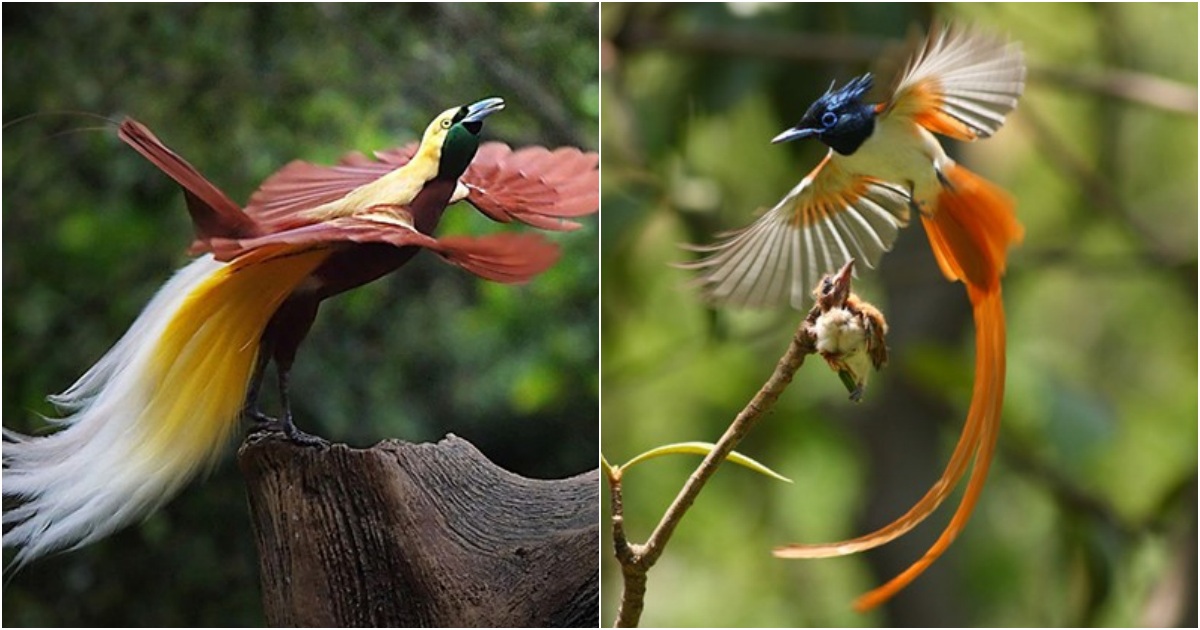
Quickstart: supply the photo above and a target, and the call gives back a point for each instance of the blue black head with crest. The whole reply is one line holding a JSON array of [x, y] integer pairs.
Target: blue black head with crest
[[840, 118]]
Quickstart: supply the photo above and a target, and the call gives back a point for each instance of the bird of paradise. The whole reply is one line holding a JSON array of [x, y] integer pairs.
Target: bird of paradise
[[160, 405], [884, 163]]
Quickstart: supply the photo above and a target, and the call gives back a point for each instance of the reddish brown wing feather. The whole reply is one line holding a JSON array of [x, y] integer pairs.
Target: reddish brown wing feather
[[301, 186], [533, 185], [328, 234], [504, 257], [214, 215]]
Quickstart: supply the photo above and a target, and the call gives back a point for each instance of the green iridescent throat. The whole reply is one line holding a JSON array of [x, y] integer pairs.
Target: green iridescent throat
[[457, 152]]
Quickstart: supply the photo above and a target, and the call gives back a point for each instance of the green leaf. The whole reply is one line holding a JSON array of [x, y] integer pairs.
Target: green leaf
[[704, 448]]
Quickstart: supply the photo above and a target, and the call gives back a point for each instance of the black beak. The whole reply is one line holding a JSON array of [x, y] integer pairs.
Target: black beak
[[794, 133]]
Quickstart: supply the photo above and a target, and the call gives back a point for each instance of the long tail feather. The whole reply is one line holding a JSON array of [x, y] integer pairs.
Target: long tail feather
[[151, 414], [970, 233], [986, 404], [963, 452]]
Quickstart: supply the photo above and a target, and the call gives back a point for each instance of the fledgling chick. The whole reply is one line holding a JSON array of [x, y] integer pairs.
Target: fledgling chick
[[850, 332]]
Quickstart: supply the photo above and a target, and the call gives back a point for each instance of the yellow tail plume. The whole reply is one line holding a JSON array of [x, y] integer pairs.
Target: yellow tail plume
[[153, 412]]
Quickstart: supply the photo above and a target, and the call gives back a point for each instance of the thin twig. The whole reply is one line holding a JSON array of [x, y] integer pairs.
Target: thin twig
[[634, 597], [1128, 85], [636, 560], [808, 47], [1100, 193]]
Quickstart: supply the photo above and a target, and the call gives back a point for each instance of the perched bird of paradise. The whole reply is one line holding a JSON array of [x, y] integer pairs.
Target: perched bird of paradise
[[160, 405], [884, 163]]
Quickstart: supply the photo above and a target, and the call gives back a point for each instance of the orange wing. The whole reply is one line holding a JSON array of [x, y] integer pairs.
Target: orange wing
[[534, 185], [830, 217], [960, 83]]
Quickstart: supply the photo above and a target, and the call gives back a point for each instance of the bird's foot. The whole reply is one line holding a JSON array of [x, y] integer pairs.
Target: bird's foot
[[261, 422], [300, 437]]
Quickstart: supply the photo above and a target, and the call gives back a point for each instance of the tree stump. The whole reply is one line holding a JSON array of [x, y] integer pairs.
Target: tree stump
[[412, 535]]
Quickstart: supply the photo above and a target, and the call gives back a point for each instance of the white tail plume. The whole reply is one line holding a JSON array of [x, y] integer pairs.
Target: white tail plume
[[152, 413]]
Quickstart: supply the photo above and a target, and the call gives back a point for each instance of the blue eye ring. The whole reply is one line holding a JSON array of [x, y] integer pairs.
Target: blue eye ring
[[828, 119]]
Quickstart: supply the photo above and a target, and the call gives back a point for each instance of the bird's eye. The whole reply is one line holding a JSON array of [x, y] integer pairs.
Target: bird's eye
[[828, 119], [446, 124]]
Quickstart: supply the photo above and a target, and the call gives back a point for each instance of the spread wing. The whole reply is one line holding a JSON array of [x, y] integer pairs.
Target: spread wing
[[534, 185], [301, 186], [504, 257], [828, 218], [960, 83], [537, 186]]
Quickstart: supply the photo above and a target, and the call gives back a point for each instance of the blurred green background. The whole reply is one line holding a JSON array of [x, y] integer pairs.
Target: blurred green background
[[91, 230], [1089, 515]]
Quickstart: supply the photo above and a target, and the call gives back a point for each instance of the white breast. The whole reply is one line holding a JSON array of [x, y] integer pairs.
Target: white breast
[[900, 152]]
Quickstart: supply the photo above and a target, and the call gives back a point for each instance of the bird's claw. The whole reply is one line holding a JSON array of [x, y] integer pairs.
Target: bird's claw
[[301, 438], [262, 423]]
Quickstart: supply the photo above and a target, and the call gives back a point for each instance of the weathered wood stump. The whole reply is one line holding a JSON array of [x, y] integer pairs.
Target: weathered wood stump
[[418, 535]]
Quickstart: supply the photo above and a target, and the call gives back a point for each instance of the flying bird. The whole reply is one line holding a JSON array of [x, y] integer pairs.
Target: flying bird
[[884, 164], [159, 406]]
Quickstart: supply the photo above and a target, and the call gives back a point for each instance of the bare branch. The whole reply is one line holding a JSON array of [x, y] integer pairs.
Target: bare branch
[[1128, 85], [1136, 87], [636, 560]]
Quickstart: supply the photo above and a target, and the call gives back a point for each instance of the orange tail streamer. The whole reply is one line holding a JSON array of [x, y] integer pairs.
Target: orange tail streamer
[[970, 233], [983, 420], [972, 229]]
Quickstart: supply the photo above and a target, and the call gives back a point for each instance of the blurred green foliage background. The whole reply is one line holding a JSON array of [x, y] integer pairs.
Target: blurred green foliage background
[[1089, 517], [91, 230]]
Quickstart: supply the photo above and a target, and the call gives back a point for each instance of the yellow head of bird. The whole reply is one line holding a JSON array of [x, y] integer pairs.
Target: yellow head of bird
[[457, 128]]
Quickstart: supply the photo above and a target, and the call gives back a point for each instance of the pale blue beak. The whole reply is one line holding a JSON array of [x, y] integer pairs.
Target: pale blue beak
[[476, 112]]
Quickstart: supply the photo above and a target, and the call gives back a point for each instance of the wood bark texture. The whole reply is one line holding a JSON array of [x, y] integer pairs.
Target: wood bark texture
[[418, 535]]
